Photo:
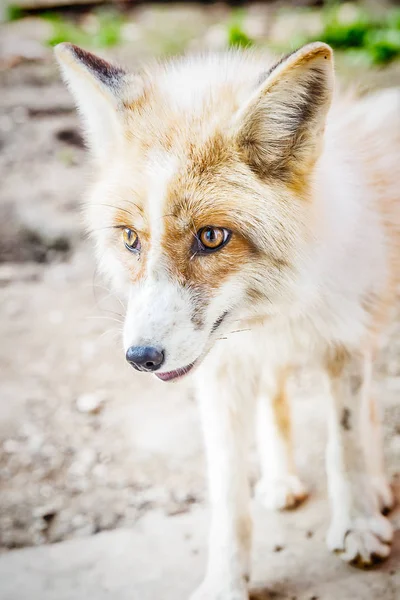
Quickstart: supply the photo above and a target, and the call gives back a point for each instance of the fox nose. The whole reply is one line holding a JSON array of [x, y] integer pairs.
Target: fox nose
[[145, 358]]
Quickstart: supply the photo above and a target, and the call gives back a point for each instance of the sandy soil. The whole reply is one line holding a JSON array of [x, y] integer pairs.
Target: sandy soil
[[86, 444]]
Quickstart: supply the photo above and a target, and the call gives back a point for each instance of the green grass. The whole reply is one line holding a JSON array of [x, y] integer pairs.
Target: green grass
[[237, 37], [104, 30], [375, 38], [13, 13]]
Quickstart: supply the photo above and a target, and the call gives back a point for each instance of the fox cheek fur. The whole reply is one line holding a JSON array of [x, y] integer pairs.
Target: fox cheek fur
[[308, 191]]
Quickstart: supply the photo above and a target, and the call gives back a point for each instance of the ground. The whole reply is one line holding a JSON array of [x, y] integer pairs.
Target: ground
[[88, 446]]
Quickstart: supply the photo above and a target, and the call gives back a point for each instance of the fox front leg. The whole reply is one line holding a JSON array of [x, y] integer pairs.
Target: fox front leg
[[226, 419], [359, 533]]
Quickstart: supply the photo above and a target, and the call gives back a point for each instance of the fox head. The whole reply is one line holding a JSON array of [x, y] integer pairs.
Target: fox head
[[202, 203]]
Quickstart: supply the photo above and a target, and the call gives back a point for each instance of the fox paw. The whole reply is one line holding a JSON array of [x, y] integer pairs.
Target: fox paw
[[361, 541], [280, 494], [384, 493], [213, 591]]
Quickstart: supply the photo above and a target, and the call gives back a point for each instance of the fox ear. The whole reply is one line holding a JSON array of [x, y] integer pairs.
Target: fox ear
[[279, 130], [101, 92]]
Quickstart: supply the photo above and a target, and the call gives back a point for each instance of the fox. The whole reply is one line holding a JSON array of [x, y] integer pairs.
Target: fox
[[232, 192]]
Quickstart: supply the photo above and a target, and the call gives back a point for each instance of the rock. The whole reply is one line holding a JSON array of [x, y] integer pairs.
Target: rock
[[70, 136]]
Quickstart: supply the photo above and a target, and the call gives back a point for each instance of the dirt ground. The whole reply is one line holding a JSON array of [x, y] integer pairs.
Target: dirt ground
[[87, 444]]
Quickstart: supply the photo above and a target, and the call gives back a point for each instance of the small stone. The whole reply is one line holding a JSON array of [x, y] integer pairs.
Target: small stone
[[46, 491], [78, 486], [83, 463], [78, 521], [48, 511], [100, 472], [35, 442], [11, 446], [90, 403], [278, 548], [82, 526], [106, 520]]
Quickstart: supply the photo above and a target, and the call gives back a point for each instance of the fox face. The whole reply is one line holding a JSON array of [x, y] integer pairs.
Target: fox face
[[203, 199]]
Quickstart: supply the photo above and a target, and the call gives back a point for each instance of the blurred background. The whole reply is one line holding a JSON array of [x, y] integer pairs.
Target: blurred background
[[86, 444]]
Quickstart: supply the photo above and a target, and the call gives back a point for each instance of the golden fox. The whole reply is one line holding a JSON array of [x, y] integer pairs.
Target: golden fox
[[234, 194]]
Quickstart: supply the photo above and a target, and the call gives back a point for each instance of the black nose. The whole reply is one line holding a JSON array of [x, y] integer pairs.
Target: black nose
[[145, 358]]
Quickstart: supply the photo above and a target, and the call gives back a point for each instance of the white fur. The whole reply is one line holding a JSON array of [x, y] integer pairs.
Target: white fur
[[344, 259]]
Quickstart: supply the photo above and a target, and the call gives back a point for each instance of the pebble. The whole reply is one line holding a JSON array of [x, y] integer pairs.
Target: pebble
[[35, 442], [90, 403], [11, 446], [82, 526], [50, 508], [83, 463], [100, 472]]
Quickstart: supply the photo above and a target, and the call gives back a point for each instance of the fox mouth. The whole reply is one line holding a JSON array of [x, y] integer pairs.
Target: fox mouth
[[177, 374]]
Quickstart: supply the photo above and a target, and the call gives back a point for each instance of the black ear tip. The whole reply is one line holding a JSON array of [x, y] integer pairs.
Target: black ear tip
[[69, 53], [66, 49], [100, 68]]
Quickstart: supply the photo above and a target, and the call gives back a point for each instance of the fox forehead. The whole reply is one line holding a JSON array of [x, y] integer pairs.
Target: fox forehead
[[184, 167], [168, 192], [184, 103]]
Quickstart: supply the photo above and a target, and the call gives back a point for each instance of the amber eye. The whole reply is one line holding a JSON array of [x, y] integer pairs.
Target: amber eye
[[212, 238], [131, 240]]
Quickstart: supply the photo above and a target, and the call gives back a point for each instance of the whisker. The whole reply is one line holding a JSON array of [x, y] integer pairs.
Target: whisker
[[123, 209], [106, 227], [239, 330], [96, 299], [109, 311], [112, 295], [114, 332], [105, 318]]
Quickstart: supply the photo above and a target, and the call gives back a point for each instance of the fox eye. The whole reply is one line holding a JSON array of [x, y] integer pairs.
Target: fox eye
[[210, 239], [131, 240]]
